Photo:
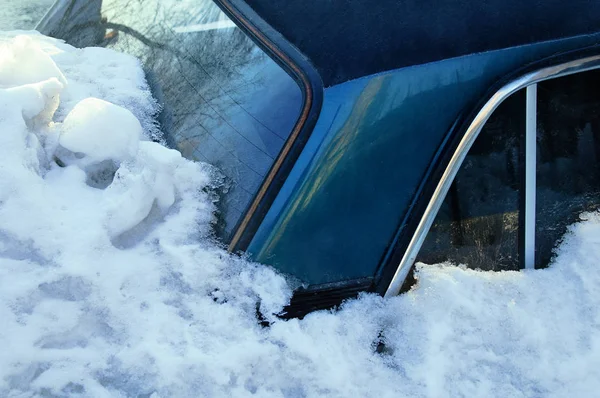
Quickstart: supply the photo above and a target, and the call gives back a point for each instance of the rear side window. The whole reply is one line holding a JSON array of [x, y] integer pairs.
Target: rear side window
[[225, 101], [478, 223], [481, 222], [568, 156]]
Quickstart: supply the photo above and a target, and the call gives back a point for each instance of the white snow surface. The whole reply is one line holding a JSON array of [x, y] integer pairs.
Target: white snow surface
[[111, 286]]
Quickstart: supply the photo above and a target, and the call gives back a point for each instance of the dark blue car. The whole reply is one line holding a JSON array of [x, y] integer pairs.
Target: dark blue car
[[355, 138]]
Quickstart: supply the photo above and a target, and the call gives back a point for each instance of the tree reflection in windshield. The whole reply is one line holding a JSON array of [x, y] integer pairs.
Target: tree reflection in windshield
[[224, 100]]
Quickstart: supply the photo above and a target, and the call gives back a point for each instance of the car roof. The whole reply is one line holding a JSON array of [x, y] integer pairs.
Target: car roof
[[353, 38]]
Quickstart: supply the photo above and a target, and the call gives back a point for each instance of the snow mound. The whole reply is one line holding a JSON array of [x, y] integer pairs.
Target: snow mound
[[101, 131], [23, 61], [111, 286]]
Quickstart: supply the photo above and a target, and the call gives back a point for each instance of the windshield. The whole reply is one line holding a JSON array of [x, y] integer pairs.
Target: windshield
[[224, 100]]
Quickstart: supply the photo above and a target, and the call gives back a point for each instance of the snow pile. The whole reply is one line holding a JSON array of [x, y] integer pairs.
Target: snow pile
[[110, 285]]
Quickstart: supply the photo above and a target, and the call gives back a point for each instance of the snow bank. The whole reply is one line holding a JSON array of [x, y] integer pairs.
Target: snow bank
[[110, 285]]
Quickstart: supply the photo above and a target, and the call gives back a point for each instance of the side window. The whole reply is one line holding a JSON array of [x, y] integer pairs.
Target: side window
[[568, 156], [479, 222]]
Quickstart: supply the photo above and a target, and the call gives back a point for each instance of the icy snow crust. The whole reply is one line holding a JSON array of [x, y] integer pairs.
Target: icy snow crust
[[110, 286]]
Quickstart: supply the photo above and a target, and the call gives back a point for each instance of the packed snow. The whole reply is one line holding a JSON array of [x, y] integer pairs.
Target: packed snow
[[112, 286]]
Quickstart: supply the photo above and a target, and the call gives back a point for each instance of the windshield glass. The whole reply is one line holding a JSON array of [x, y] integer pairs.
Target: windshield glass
[[224, 100]]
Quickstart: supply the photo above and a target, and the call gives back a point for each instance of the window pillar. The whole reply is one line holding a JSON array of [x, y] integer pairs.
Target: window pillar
[[530, 174]]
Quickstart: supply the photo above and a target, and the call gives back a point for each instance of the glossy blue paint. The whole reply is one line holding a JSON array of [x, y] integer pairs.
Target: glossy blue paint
[[350, 189]]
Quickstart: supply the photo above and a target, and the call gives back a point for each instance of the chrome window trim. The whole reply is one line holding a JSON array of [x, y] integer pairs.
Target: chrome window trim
[[472, 132], [530, 174]]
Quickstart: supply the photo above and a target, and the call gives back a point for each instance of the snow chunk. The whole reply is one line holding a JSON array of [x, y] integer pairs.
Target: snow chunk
[[163, 162], [101, 131], [22, 61], [38, 101], [90, 72]]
